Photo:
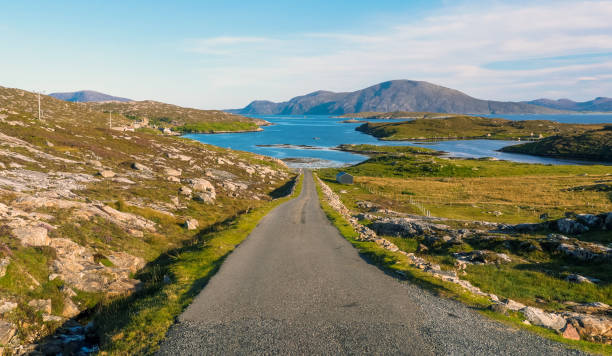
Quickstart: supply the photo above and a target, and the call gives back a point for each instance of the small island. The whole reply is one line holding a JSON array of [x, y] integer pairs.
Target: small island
[[594, 145], [464, 127]]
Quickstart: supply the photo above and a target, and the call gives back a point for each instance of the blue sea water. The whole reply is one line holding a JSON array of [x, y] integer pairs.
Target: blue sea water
[[322, 133]]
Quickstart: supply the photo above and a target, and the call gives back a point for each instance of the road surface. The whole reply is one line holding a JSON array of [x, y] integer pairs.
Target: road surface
[[295, 286]]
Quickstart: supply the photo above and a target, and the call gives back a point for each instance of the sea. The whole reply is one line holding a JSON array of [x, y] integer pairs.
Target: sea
[[312, 140]]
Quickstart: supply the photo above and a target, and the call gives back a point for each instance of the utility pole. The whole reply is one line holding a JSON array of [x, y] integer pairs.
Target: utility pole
[[39, 116], [110, 120]]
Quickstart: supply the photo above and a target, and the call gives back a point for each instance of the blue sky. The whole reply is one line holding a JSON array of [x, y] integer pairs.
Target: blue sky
[[214, 54]]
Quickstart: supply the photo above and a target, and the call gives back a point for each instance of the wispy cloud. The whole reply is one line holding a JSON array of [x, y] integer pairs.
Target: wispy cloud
[[224, 45], [498, 51]]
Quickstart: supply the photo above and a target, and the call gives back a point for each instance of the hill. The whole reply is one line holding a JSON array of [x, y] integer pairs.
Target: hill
[[595, 145], [469, 127], [84, 208], [395, 95], [600, 104], [85, 96], [180, 119]]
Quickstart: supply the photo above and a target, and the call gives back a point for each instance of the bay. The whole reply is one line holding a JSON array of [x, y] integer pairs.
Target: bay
[[311, 140]]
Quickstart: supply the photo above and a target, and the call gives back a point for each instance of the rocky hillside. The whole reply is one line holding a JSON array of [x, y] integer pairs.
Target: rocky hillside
[[179, 118], [83, 207], [600, 104], [593, 145], [84, 96], [395, 95]]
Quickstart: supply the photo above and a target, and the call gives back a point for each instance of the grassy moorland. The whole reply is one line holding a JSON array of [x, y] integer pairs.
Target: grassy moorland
[[185, 120], [471, 127], [463, 192], [473, 188], [593, 145]]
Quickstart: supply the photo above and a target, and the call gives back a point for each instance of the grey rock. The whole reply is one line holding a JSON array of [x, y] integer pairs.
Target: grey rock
[[191, 224], [140, 167], [569, 226], [589, 220], [539, 317]]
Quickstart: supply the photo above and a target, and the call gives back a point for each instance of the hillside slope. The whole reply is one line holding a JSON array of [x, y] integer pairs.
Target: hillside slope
[[395, 95], [469, 127], [179, 118], [593, 145], [83, 208], [600, 104], [84, 96]]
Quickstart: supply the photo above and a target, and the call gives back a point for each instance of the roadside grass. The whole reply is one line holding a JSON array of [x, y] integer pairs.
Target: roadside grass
[[398, 266], [137, 324], [536, 285]]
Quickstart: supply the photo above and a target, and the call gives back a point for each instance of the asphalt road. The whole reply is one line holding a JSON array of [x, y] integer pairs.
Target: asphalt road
[[295, 286]]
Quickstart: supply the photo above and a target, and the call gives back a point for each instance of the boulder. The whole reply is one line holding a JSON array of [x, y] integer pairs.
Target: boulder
[[608, 221], [576, 278], [106, 173], [4, 263], [7, 306], [191, 224], [513, 305], [43, 305], [591, 308], [589, 220], [7, 331], [593, 328], [202, 185], [569, 226], [32, 235], [185, 190], [140, 167], [95, 163], [406, 227], [570, 332], [482, 256], [171, 172], [70, 309], [204, 197], [539, 317]]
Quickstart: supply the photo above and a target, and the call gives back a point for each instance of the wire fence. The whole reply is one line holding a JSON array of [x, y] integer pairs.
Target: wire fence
[[396, 196]]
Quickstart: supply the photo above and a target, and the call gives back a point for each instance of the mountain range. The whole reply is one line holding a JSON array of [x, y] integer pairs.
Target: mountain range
[[84, 96], [600, 104], [408, 95]]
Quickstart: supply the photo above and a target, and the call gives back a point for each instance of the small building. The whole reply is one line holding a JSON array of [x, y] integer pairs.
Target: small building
[[344, 178]]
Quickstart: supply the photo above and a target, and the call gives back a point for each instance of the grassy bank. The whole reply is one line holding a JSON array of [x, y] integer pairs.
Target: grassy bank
[[212, 127], [136, 324], [398, 265], [471, 127]]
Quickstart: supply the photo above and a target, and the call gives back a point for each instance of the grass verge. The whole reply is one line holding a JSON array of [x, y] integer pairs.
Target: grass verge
[[136, 324], [398, 265]]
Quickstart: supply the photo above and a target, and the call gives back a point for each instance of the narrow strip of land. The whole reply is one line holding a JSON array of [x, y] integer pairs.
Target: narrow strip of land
[[297, 287]]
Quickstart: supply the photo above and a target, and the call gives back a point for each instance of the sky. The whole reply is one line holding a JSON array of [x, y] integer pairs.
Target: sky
[[224, 54]]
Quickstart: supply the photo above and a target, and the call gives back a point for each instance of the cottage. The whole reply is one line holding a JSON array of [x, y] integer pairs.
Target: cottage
[[344, 178]]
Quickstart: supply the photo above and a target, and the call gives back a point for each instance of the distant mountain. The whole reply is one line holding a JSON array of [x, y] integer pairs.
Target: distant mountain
[[85, 96], [395, 95], [600, 104]]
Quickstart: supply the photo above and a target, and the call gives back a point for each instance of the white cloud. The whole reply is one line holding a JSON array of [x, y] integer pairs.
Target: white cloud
[[451, 49]]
